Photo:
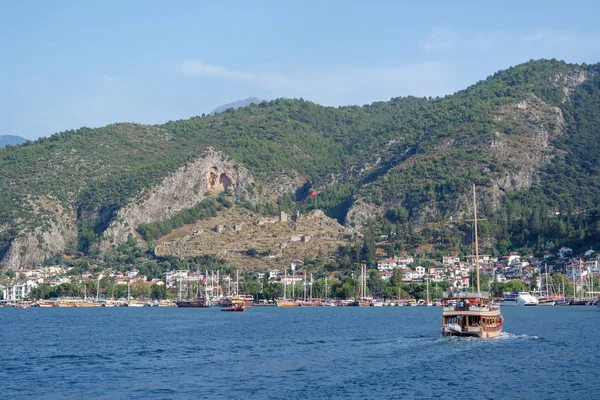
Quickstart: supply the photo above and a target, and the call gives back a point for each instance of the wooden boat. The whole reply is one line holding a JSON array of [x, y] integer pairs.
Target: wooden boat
[[287, 303], [473, 315], [311, 303], [199, 302], [248, 300], [45, 303], [235, 304]]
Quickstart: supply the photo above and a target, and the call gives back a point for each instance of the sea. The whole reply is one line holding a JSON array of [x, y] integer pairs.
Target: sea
[[294, 353]]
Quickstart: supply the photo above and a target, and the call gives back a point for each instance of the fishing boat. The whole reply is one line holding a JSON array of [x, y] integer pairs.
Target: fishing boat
[[472, 315], [235, 304]]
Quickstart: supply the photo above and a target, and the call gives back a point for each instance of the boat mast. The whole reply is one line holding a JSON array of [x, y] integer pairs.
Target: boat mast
[[206, 287], [293, 281], [546, 272], [305, 285], [476, 241], [98, 288]]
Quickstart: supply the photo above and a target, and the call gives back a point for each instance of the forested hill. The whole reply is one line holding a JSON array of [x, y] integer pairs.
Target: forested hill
[[402, 169], [11, 140]]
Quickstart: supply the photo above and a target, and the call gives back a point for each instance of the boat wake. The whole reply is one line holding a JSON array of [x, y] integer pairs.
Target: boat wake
[[503, 336], [508, 335]]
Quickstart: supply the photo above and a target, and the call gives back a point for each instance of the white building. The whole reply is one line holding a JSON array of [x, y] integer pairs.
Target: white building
[[18, 291], [386, 265]]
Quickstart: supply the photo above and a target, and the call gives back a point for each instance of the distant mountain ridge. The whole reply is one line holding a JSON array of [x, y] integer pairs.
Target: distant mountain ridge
[[400, 172], [236, 104], [11, 140]]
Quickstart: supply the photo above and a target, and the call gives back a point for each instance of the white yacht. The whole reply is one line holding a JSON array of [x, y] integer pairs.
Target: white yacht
[[519, 299]]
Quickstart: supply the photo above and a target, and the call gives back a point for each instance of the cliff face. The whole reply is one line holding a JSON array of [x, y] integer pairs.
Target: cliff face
[[204, 177], [527, 152], [53, 235]]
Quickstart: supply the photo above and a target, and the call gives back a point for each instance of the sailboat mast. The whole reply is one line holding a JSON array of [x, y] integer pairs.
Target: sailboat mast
[[546, 273], [476, 240]]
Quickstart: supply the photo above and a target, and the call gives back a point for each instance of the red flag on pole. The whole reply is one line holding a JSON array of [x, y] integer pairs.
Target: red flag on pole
[[312, 194]]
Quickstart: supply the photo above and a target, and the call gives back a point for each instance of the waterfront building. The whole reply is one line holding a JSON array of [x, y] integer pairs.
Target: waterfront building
[[18, 291]]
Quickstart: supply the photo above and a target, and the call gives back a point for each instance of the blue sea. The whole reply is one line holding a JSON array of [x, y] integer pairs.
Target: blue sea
[[294, 353]]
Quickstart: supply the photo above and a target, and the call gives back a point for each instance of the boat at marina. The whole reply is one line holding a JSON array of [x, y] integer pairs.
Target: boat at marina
[[67, 302], [311, 303], [472, 315], [136, 303], [248, 300], [519, 299], [235, 304], [198, 302], [44, 303], [287, 303]]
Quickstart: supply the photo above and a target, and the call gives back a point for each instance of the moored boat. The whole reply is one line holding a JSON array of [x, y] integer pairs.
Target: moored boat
[[136, 303], [311, 303], [519, 299], [287, 303], [248, 300], [199, 302]]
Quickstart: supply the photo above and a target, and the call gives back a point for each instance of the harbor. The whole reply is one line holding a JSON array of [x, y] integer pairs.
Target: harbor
[[313, 352]]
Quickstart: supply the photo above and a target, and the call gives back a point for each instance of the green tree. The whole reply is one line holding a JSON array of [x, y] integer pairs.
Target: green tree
[[158, 292]]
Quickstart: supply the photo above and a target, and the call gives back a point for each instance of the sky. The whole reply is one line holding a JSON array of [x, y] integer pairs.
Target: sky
[[67, 64]]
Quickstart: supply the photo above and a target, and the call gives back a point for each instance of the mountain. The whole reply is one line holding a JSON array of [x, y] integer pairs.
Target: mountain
[[10, 140], [235, 105], [390, 177]]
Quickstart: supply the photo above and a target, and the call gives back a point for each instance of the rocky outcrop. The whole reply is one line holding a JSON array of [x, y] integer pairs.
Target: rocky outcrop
[[55, 232], [523, 136], [361, 212], [201, 178], [569, 80]]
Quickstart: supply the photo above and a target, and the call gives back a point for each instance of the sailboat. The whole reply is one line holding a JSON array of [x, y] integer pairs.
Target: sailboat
[[474, 314], [429, 303], [546, 300], [285, 302]]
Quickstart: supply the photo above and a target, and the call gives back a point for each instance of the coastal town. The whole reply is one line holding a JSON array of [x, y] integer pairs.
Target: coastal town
[[561, 276]]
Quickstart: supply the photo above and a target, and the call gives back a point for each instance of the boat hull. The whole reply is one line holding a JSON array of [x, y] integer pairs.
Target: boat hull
[[194, 303], [481, 332], [233, 309], [232, 304], [287, 303]]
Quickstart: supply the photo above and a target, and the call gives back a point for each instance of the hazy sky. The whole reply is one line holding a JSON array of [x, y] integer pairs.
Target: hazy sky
[[67, 64]]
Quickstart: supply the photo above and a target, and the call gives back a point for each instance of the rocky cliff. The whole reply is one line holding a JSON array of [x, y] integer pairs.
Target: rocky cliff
[[205, 177], [56, 231]]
